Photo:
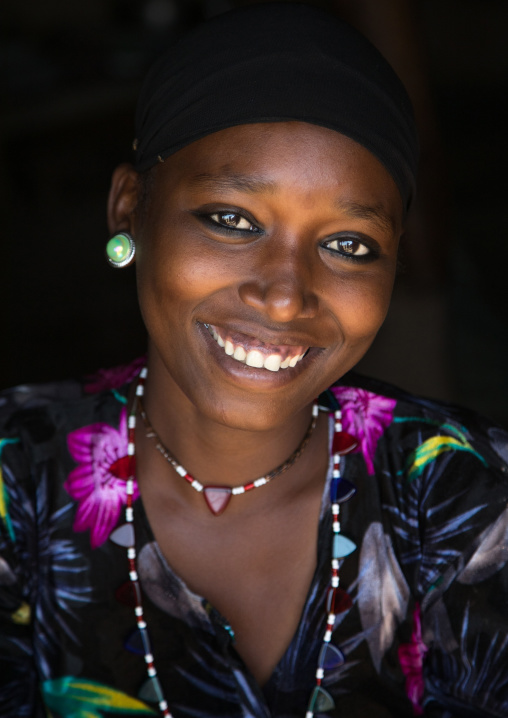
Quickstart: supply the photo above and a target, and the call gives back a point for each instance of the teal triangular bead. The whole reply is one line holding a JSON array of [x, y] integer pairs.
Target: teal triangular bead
[[342, 546], [123, 535], [321, 700], [151, 691]]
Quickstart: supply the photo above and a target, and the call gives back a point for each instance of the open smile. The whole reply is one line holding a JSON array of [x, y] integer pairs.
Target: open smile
[[255, 353]]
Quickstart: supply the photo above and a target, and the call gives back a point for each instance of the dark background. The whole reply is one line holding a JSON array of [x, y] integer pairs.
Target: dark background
[[70, 72]]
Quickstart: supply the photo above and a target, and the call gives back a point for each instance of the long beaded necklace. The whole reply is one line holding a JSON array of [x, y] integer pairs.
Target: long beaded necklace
[[337, 601], [217, 497]]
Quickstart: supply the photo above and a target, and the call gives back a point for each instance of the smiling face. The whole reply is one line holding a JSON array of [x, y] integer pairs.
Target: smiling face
[[265, 264]]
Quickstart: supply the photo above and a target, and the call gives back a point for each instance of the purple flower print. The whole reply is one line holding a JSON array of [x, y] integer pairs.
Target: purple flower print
[[98, 483], [113, 378], [411, 656], [365, 416]]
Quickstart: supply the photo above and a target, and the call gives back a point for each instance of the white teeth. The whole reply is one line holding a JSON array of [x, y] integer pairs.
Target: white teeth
[[273, 362], [254, 359], [240, 354]]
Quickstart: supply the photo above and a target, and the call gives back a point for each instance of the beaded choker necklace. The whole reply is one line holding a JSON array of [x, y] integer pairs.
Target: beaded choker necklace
[[217, 497], [337, 600]]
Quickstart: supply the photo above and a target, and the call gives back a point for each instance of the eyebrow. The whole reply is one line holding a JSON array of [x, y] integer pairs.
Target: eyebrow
[[246, 183], [373, 213], [232, 181]]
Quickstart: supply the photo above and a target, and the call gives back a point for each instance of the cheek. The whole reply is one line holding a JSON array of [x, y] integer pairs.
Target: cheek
[[361, 304]]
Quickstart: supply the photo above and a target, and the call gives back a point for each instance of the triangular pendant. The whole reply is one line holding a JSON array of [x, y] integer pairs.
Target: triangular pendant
[[123, 467], [151, 691], [341, 490], [217, 498], [320, 700], [123, 535], [330, 657], [343, 443]]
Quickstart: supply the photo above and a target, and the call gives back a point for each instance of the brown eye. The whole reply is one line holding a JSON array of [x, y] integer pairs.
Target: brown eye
[[348, 246], [233, 221]]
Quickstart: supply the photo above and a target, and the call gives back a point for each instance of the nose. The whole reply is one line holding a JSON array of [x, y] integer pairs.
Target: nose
[[282, 289]]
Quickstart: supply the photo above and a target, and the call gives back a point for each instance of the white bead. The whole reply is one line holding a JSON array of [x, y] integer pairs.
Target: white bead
[[335, 508], [131, 553], [336, 474], [238, 490], [129, 513], [140, 390], [163, 706], [133, 575], [315, 410], [336, 527], [309, 714], [335, 563], [197, 486], [130, 487], [151, 671], [131, 449], [320, 673], [138, 610], [260, 482], [327, 636], [131, 423], [148, 658], [335, 581], [180, 470], [141, 624], [331, 619]]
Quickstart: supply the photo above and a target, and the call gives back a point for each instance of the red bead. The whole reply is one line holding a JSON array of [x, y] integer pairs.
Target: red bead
[[343, 443], [338, 601], [123, 468], [217, 498], [248, 487]]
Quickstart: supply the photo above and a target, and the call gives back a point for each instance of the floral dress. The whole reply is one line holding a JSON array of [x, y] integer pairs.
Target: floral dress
[[424, 629]]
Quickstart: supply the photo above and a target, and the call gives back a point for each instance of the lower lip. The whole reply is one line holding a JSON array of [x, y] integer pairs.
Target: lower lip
[[253, 375]]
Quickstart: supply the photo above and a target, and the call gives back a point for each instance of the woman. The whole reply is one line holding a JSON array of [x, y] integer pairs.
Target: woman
[[212, 531]]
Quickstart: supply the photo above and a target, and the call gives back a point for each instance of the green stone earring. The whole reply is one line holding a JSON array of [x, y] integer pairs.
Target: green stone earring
[[120, 250]]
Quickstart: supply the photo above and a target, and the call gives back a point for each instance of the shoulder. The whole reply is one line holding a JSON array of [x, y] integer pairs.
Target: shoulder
[[403, 423]]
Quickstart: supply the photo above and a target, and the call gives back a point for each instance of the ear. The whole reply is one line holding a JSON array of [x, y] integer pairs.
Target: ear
[[122, 200]]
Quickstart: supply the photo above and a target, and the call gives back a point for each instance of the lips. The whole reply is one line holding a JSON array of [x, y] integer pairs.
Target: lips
[[255, 353]]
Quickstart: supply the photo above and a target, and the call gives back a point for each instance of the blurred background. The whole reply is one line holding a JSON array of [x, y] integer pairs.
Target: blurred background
[[70, 72]]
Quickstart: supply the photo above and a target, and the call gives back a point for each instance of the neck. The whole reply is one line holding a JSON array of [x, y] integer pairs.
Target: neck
[[215, 453]]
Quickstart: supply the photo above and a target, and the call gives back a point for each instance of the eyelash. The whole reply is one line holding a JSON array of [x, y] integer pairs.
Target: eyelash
[[368, 256]]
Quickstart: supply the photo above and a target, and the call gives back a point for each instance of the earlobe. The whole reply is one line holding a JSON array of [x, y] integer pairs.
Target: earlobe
[[122, 200]]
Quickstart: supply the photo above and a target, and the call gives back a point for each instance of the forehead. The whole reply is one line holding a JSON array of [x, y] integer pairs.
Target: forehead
[[277, 157]]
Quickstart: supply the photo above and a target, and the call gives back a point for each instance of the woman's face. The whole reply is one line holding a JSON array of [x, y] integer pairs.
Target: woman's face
[[272, 245]]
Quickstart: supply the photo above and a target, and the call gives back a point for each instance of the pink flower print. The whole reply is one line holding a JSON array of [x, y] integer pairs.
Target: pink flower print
[[411, 656], [115, 377], [365, 416], [98, 483]]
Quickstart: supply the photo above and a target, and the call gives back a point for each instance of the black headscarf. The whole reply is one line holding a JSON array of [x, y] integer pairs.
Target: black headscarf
[[270, 63]]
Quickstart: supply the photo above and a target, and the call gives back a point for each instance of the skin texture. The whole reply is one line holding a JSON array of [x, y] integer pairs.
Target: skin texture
[[297, 196]]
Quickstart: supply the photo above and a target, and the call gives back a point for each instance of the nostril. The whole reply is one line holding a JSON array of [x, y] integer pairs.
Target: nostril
[[282, 301]]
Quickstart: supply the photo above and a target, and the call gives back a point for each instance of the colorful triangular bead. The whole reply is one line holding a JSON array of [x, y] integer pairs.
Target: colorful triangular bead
[[342, 491], [122, 468], [151, 691], [343, 443], [217, 498], [123, 535], [321, 700], [330, 657], [338, 601], [342, 546]]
